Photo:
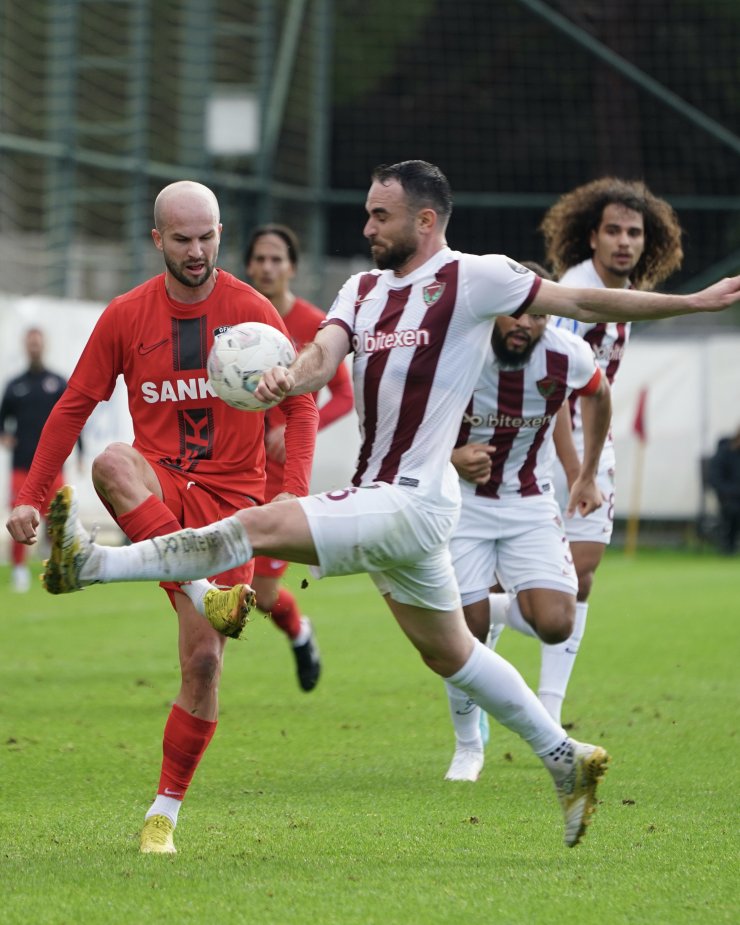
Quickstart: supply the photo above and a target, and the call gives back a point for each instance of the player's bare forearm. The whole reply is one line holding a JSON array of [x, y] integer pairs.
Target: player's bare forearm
[[311, 370], [565, 448], [596, 412], [593, 305]]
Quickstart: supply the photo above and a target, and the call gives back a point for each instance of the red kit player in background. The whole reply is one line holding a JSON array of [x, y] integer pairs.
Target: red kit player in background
[[270, 261], [194, 459]]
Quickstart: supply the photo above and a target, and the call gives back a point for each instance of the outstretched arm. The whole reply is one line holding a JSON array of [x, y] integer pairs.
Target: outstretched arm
[[630, 304], [313, 367]]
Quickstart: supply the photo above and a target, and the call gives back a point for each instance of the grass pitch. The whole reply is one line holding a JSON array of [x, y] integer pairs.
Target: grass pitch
[[330, 807]]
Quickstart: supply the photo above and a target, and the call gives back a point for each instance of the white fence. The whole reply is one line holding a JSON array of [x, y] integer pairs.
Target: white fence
[[693, 387]]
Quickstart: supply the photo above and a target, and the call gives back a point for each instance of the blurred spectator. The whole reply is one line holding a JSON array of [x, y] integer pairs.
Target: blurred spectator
[[26, 404], [724, 477]]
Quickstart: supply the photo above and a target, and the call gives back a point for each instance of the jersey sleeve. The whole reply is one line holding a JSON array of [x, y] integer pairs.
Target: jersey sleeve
[[498, 285], [301, 424], [344, 308], [582, 366], [101, 360], [592, 385]]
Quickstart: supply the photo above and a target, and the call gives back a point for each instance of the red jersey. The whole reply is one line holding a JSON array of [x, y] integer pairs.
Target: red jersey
[[302, 322], [160, 347]]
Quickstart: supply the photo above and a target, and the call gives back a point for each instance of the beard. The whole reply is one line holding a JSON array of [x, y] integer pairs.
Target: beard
[[396, 255], [192, 281], [513, 359], [622, 272]]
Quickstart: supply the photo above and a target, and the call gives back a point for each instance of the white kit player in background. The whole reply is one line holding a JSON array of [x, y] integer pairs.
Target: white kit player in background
[[419, 328], [511, 529], [614, 234]]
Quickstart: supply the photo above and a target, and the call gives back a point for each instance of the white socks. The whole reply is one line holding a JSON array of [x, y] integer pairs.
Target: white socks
[[181, 556], [164, 806], [557, 663], [497, 686], [465, 715], [504, 609], [196, 591]]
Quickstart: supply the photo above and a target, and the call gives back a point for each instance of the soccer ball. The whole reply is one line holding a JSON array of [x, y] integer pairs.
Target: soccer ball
[[239, 356]]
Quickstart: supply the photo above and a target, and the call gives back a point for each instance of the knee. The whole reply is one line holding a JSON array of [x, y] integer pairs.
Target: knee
[[557, 626], [202, 667], [112, 467]]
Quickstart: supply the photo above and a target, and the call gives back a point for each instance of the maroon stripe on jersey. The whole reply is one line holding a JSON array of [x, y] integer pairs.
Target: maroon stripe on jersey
[[510, 404], [595, 339], [617, 352], [367, 283], [422, 368], [464, 433], [189, 343], [557, 380], [536, 283], [376, 363]]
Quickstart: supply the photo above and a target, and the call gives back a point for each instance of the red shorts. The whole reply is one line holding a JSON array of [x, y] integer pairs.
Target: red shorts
[[195, 505], [264, 567], [18, 477]]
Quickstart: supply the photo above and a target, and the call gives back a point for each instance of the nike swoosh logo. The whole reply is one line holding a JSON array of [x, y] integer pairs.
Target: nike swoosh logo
[[148, 349], [172, 793]]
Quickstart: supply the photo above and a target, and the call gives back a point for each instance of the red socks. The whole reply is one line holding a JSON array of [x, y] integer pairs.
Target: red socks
[[285, 614], [186, 737], [151, 518]]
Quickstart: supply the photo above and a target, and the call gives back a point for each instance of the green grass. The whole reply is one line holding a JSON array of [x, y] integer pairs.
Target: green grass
[[330, 807]]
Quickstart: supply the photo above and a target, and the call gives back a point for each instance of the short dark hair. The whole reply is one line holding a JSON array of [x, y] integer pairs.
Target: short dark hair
[[282, 231], [424, 184]]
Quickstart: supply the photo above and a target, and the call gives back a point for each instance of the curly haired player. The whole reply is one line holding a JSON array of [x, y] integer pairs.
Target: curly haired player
[[613, 234]]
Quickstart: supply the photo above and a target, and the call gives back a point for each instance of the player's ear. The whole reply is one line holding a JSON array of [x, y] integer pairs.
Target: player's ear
[[426, 220], [157, 238]]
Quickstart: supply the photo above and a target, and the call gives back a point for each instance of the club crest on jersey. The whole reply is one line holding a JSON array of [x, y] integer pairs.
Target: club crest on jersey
[[433, 292], [546, 387]]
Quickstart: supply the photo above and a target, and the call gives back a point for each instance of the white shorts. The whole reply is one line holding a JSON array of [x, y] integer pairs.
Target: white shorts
[[391, 534], [598, 526], [518, 541]]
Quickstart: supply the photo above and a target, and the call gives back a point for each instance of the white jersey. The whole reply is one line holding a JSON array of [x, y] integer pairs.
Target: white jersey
[[419, 344], [513, 410], [608, 340]]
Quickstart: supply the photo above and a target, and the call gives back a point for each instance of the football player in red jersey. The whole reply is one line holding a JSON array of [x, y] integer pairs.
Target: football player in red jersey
[[194, 459], [270, 261]]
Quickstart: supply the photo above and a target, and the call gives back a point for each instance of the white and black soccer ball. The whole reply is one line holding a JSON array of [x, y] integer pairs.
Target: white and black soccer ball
[[238, 358]]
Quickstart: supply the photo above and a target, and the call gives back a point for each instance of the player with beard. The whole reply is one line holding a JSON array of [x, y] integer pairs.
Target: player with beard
[[193, 460], [420, 331], [614, 234], [511, 530]]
